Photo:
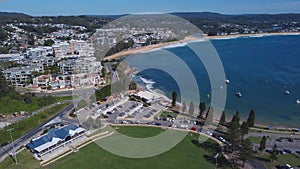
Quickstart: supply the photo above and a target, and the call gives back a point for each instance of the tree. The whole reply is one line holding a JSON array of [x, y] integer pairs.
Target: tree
[[246, 151], [183, 107], [262, 144], [202, 108], [244, 129], [212, 33], [274, 153], [191, 109], [223, 118], [5, 88], [48, 42], [28, 98], [210, 115], [103, 71], [30, 39], [251, 118], [132, 86], [237, 114], [49, 87], [234, 128], [3, 35], [174, 98]]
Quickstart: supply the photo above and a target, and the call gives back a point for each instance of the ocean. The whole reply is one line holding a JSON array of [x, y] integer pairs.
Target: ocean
[[261, 68]]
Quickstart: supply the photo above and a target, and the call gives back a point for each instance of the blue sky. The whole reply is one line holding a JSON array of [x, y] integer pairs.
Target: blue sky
[[77, 7]]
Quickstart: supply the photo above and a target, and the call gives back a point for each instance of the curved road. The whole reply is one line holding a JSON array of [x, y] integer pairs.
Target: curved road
[[4, 151]]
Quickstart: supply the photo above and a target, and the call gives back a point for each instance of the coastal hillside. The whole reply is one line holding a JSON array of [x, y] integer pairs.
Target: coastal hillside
[[208, 22]]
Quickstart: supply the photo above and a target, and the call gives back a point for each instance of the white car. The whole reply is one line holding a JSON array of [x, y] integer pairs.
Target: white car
[[288, 166]]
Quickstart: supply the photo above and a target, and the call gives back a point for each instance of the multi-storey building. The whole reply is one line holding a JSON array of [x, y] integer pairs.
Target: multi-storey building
[[41, 51], [61, 49], [75, 66], [21, 75]]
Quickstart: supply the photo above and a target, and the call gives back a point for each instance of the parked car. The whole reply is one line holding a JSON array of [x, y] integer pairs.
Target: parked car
[[287, 166], [194, 129], [269, 150], [4, 144], [158, 124], [281, 152], [122, 114], [150, 123], [288, 151]]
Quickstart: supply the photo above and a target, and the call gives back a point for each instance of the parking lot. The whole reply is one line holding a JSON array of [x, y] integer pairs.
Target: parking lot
[[125, 108], [285, 144]]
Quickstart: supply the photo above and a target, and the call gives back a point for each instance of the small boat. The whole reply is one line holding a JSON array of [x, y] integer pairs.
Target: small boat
[[227, 81], [298, 101], [287, 92], [238, 94]]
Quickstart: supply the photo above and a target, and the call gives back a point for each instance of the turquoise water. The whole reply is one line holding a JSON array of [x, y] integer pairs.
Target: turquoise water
[[261, 68]]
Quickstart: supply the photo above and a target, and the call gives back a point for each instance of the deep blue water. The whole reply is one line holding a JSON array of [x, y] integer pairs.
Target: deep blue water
[[261, 68]]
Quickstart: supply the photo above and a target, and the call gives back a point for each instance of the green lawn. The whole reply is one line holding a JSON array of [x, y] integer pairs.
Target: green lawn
[[23, 126], [255, 140], [187, 154], [137, 132], [9, 106], [82, 104], [25, 161], [284, 159], [168, 114]]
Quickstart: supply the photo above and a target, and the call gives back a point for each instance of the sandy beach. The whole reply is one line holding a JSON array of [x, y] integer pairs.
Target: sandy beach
[[190, 39], [252, 35], [149, 48]]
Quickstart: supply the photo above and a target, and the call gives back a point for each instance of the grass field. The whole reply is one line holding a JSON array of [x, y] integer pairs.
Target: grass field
[[139, 132], [168, 114], [255, 140], [9, 106], [25, 161], [283, 159], [187, 154], [23, 126]]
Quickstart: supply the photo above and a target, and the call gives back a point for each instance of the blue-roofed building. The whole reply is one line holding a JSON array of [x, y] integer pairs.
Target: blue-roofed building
[[54, 139]]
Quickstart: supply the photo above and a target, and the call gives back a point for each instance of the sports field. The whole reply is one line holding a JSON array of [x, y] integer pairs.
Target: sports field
[[186, 155]]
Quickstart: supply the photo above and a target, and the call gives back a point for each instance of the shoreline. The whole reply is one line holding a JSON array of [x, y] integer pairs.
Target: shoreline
[[149, 48], [259, 124], [253, 35], [190, 39]]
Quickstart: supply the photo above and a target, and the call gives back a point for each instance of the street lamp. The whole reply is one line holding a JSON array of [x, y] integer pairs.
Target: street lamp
[[14, 150], [216, 157]]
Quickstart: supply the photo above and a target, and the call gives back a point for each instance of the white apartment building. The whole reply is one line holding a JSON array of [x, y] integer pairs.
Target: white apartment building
[[61, 49], [41, 51], [19, 75]]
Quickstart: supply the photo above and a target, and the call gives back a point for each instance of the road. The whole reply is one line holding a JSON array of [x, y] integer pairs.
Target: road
[[113, 74], [256, 164], [22, 140]]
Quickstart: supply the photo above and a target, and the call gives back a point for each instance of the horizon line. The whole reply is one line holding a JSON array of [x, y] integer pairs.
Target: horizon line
[[19, 12]]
